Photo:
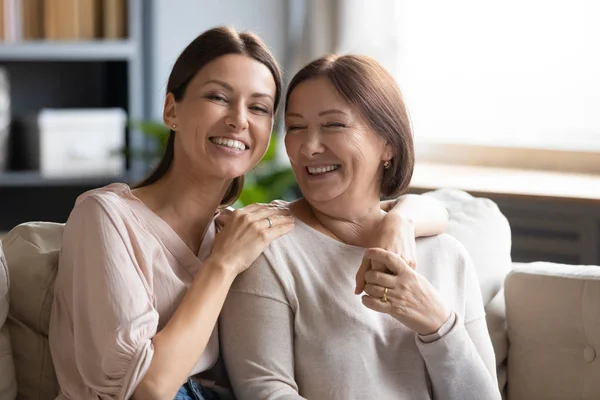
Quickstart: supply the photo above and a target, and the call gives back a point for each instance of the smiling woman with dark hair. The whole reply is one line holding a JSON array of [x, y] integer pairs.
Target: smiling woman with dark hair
[[293, 326]]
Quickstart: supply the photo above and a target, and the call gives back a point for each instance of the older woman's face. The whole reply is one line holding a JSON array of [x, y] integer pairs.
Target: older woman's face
[[333, 151]]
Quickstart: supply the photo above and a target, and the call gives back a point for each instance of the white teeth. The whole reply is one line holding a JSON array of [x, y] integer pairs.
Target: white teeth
[[322, 170], [234, 144]]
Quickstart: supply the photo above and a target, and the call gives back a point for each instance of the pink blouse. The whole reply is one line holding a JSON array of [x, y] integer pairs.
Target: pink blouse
[[122, 273]]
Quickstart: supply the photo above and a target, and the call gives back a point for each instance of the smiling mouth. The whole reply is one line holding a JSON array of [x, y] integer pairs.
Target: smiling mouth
[[229, 143], [323, 169]]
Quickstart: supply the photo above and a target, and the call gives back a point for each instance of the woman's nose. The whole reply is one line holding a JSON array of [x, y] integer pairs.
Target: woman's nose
[[237, 118], [312, 144]]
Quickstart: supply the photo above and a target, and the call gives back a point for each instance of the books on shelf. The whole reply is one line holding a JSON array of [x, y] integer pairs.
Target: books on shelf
[[32, 19], [115, 19], [22, 20]]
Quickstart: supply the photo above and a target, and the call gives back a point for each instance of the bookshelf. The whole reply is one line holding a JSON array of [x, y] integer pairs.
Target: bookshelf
[[99, 73]]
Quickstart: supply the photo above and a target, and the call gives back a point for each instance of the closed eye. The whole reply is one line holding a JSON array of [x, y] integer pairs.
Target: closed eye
[[334, 125], [260, 109], [292, 128]]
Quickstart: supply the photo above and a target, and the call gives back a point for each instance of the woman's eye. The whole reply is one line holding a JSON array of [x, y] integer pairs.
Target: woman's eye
[[334, 125], [292, 128], [216, 97], [260, 109]]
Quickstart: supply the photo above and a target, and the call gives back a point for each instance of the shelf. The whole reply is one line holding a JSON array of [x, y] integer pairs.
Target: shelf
[[35, 179], [101, 50]]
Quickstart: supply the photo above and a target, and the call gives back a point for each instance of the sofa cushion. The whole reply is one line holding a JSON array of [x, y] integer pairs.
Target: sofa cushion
[[553, 316], [8, 385], [31, 251], [485, 232], [481, 227]]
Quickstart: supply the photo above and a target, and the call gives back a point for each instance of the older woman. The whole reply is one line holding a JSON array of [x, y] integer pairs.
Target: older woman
[[293, 326]]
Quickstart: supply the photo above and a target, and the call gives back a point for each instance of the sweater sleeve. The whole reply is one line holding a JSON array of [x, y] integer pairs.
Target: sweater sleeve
[[108, 305], [257, 336], [461, 363]]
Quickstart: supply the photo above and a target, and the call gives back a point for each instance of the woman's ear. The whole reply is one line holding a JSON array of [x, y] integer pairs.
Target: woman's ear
[[388, 152], [169, 112]]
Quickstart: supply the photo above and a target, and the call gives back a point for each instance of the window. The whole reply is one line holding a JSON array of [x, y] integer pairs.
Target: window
[[522, 73]]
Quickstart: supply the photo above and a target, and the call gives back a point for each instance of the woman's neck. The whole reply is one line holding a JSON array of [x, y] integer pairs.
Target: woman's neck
[[186, 202], [356, 230]]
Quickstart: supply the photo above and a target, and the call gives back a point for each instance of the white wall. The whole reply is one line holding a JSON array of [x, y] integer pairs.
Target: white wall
[[174, 23]]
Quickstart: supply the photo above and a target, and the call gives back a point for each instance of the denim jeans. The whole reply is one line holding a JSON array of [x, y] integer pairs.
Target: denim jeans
[[192, 390]]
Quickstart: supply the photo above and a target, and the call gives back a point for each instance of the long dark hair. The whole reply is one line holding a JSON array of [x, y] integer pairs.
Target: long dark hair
[[367, 85], [208, 46]]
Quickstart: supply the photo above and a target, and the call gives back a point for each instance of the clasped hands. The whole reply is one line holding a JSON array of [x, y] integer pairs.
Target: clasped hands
[[388, 276]]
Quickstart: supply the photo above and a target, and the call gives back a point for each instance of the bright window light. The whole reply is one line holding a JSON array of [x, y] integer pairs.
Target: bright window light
[[520, 73]]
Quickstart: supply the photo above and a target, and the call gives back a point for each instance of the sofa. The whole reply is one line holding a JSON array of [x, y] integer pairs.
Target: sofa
[[543, 318]]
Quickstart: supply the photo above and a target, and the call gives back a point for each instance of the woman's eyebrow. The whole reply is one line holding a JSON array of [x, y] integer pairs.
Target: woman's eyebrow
[[230, 88]]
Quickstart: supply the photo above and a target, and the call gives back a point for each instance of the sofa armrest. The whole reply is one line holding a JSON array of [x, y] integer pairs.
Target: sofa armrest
[[553, 320]]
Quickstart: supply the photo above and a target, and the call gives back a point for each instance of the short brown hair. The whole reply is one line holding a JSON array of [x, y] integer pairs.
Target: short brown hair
[[368, 86], [210, 45]]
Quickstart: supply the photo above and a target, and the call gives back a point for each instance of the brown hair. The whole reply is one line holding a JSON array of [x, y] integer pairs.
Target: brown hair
[[205, 48], [368, 86]]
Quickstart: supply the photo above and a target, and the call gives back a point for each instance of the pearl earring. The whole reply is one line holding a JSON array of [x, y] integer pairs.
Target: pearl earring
[[386, 164], [174, 126]]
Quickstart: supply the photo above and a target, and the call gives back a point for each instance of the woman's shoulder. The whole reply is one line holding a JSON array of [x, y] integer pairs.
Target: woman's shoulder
[[444, 243], [108, 204], [104, 194], [443, 250]]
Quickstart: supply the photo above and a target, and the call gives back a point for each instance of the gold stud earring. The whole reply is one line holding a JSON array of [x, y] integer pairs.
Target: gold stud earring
[[386, 164]]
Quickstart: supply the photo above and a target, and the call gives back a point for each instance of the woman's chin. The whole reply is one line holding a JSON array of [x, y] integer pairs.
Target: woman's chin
[[231, 171], [321, 196]]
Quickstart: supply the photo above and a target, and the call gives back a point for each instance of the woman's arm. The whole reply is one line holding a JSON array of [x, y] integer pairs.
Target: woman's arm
[[179, 345], [461, 363], [408, 217], [458, 352], [428, 215], [257, 337]]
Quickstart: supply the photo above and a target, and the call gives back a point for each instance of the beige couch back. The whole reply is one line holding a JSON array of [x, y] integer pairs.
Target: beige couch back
[[31, 252]]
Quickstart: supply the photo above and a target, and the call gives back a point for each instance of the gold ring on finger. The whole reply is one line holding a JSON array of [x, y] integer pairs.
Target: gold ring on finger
[[384, 298]]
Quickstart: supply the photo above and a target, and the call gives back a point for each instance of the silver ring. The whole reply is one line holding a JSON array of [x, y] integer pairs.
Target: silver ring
[[270, 222]]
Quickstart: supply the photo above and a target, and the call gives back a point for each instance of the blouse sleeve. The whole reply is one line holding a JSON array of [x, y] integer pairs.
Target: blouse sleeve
[[109, 303]]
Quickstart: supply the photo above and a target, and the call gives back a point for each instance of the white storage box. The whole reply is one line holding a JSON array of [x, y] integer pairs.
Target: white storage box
[[81, 142]]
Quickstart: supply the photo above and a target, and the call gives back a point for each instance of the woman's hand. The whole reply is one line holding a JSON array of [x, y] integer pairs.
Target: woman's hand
[[247, 232], [396, 233], [403, 293]]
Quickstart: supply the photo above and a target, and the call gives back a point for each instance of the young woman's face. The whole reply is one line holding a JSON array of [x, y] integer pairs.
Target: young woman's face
[[335, 154], [224, 120]]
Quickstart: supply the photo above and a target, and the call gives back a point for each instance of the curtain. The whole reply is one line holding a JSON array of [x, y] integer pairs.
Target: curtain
[[320, 27]]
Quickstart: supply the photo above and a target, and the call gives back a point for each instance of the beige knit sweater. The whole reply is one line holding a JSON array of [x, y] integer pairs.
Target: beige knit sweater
[[293, 328]]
